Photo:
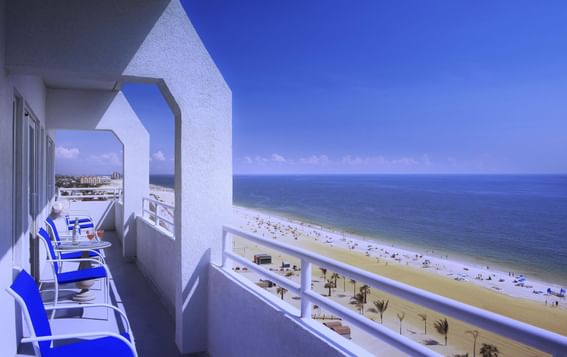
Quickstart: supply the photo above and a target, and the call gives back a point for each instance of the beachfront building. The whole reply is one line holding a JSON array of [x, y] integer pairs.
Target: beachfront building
[[62, 65]]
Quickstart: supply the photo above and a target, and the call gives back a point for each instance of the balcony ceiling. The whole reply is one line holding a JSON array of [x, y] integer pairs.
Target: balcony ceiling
[[62, 82]]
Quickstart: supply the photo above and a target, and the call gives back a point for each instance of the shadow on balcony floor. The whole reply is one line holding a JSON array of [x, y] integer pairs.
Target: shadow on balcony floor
[[153, 326]]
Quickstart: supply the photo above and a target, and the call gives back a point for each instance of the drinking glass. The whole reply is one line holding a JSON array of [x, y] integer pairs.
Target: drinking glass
[[90, 234]]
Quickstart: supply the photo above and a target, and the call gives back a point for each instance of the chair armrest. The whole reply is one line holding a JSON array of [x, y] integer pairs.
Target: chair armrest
[[83, 306], [74, 260], [68, 336], [82, 260], [94, 251]]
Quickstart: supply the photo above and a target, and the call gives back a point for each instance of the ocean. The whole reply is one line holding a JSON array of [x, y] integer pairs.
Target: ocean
[[514, 222]]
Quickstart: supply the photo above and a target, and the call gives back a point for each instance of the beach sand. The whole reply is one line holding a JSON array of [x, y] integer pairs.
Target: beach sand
[[437, 276]]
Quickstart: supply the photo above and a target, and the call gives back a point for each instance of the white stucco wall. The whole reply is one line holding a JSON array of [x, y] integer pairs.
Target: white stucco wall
[[155, 252], [109, 110], [243, 323], [173, 51]]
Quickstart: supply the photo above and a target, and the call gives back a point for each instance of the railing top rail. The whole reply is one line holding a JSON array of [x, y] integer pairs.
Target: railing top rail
[[166, 205], [90, 189], [536, 337]]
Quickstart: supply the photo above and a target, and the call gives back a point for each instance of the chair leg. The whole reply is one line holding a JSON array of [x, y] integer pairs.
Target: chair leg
[[55, 300], [107, 294]]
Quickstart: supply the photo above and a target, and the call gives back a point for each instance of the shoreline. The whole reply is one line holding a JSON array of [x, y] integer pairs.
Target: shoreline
[[444, 255], [459, 270]]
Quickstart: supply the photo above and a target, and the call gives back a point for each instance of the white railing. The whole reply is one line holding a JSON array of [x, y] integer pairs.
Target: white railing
[[153, 210], [81, 193], [535, 337]]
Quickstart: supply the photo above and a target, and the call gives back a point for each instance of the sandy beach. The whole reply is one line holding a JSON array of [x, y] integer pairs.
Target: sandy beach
[[481, 286]]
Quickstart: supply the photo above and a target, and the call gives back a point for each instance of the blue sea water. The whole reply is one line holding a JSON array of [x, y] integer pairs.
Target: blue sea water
[[163, 180], [515, 222]]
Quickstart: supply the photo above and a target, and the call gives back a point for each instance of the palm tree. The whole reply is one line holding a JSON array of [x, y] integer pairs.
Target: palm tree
[[424, 318], [358, 301], [365, 290], [324, 271], [487, 350], [401, 318], [334, 277], [352, 281], [344, 283], [381, 306], [474, 334], [281, 291], [442, 326], [329, 285]]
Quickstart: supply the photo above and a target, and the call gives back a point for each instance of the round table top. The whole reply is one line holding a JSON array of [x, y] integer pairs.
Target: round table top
[[84, 244]]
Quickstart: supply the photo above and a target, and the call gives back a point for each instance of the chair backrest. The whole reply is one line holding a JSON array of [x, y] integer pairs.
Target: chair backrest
[[26, 293], [50, 251], [53, 228], [83, 223]]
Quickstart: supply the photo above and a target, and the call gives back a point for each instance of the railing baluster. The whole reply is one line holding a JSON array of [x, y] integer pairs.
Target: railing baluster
[[226, 247]]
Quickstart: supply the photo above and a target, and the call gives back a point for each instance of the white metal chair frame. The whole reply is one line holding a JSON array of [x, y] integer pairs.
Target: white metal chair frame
[[35, 339]]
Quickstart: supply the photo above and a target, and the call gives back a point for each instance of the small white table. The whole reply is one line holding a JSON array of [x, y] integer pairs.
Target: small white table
[[85, 295]]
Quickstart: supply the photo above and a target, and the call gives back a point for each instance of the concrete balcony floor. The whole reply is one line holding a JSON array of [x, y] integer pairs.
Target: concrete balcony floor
[[152, 325]]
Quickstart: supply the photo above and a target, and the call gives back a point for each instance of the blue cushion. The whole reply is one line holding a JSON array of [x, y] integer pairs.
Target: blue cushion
[[105, 347], [77, 255], [26, 288], [80, 275]]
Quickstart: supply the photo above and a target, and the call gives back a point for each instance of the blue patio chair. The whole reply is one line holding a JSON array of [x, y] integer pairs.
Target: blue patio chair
[[70, 254], [25, 292], [99, 272]]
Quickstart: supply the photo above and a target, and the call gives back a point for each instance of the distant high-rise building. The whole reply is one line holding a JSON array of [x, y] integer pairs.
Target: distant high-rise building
[[116, 175]]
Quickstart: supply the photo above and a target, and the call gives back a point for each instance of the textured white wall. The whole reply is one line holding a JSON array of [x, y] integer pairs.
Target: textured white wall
[[202, 102], [155, 252], [242, 323], [105, 110]]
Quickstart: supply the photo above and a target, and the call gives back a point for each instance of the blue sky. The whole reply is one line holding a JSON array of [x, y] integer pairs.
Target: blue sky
[[381, 86]]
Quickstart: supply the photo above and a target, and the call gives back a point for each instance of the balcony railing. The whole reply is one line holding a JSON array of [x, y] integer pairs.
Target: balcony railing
[[159, 213], [535, 337], [90, 193]]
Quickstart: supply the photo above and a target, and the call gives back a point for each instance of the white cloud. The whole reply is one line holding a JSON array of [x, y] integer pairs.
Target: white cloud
[[315, 160], [159, 156], [61, 152], [278, 158], [404, 161], [351, 163], [110, 158]]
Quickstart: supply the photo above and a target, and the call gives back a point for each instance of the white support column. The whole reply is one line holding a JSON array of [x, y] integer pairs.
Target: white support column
[[306, 273]]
